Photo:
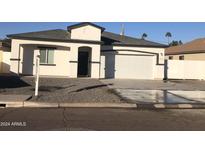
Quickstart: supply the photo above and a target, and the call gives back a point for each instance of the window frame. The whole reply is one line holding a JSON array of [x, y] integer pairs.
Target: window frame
[[47, 50], [181, 57], [170, 57]]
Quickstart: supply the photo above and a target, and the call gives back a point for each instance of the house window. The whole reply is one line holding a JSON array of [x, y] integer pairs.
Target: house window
[[181, 57], [46, 56], [170, 57]]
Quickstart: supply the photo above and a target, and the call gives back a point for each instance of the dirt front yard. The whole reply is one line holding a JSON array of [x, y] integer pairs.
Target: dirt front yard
[[60, 89]]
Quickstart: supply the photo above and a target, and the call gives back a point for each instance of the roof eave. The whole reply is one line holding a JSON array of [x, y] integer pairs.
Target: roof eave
[[138, 45], [55, 40], [185, 52]]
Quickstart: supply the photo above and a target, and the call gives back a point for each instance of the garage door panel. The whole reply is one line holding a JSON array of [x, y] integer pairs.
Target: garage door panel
[[134, 67]]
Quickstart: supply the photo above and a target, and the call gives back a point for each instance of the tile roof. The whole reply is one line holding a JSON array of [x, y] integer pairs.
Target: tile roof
[[195, 46], [58, 34], [107, 38], [117, 39]]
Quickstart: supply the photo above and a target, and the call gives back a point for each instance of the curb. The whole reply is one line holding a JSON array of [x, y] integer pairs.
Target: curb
[[40, 104], [12, 104], [79, 105], [171, 106], [104, 105], [99, 105]]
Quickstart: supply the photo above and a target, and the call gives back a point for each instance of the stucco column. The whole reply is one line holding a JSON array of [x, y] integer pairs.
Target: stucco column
[[73, 61], [95, 62], [15, 57]]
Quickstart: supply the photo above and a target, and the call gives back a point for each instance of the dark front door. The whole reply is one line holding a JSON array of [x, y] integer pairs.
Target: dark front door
[[83, 64], [27, 63]]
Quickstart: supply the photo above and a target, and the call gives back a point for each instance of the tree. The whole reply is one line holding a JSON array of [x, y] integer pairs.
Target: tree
[[144, 35], [168, 35], [180, 42], [175, 43]]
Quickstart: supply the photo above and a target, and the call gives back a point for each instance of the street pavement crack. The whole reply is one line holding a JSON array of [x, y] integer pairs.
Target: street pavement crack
[[65, 120]]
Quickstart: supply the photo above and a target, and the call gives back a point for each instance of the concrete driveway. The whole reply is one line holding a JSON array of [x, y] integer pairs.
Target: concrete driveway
[[157, 91]]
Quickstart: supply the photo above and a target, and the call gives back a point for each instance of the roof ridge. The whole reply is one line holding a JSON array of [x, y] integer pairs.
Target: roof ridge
[[82, 24]]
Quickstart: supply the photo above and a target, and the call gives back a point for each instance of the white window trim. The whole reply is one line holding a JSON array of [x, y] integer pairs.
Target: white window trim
[[47, 50]]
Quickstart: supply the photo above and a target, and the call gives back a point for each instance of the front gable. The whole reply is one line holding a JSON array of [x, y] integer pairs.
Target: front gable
[[85, 31]]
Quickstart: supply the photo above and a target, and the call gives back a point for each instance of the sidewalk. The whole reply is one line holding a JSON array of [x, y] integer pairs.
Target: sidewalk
[[29, 104], [80, 105], [117, 105], [13, 100], [23, 101]]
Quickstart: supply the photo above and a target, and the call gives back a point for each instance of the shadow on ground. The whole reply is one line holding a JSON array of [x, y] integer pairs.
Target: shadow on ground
[[12, 82], [92, 87]]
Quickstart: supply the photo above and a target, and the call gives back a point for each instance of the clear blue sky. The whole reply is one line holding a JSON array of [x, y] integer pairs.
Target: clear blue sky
[[156, 30]]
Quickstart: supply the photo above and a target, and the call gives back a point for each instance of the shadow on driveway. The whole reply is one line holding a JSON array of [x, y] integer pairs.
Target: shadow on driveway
[[12, 82]]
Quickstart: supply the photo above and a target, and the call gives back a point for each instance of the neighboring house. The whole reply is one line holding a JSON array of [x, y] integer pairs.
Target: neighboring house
[[86, 50], [5, 50], [194, 50]]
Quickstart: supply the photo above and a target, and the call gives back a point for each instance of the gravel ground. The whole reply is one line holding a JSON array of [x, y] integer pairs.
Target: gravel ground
[[60, 89]]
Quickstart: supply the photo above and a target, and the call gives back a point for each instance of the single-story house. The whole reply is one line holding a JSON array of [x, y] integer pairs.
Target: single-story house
[[5, 49], [194, 50], [86, 50]]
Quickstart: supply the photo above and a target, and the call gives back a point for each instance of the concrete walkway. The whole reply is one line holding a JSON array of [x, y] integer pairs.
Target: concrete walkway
[[13, 100]]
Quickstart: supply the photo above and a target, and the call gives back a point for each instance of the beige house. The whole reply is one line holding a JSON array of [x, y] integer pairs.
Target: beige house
[[194, 50], [5, 50], [86, 50]]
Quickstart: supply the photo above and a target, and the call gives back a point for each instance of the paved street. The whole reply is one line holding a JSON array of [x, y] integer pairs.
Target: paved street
[[100, 119]]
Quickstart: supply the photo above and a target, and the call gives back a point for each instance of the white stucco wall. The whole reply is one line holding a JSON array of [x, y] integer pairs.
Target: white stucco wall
[[88, 32], [5, 66], [62, 68], [102, 66], [182, 69], [62, 58], [66, 60]]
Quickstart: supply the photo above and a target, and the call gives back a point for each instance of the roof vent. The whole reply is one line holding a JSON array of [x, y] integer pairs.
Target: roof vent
[[122, 33]]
